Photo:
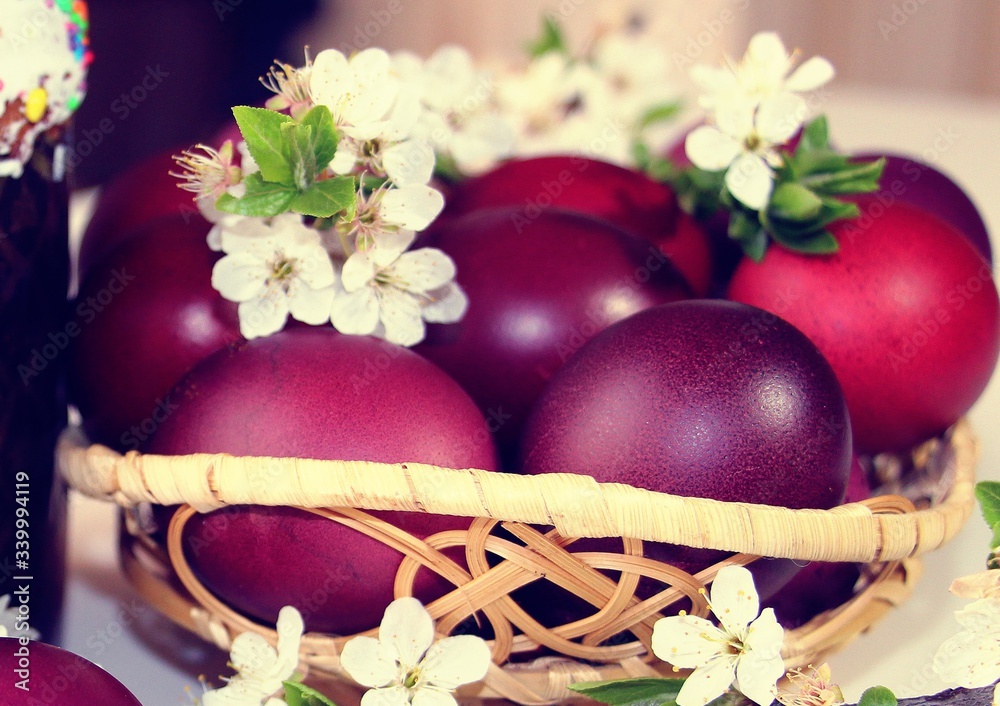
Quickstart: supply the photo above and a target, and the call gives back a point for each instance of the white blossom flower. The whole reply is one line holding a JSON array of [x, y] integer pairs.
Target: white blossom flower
[[744, 651], [811, 688], [972, 657], [406, 666], [411, 207], [761, 74], [742, 142], [375, 114], [274, 269], [260, 668], [460, 118], [9, 620], [389, 292]]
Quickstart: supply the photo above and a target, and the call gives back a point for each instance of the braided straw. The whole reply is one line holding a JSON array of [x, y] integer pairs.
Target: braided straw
[[883, 532], [576, 505]]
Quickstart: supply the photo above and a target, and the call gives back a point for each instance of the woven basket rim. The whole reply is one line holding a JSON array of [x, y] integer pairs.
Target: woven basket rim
[[884, 528]]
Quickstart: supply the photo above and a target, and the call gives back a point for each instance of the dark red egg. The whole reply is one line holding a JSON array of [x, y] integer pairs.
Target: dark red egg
[[537, 293], [906, 312], [912, 181], [628, 199], [145, 314], [703, 399], [312, 393], [38, 673], [142, 193]]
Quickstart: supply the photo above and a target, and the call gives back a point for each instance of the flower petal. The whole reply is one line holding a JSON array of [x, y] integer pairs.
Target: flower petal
[[239, 277], [978, 585], [433, 697], [757, 677], [355, 313], [968, 659], [766, 56], [456, 660], [408, 627], [389, 246], [330, 79], [250, 654], [687, 641], [357, 273], [734, 599], [980, 617], [710, 149], [400, 315], [409, 162], [412, 207], [390, 696], [446, 306], [708, 682], [423, 270], [750, 181], [779, 117], [346, 157], [311, 306], [810, 75], [368, 663], [263, 315], [765, 636]]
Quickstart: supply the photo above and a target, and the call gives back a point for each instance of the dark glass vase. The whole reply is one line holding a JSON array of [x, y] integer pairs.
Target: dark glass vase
[[34, 266]]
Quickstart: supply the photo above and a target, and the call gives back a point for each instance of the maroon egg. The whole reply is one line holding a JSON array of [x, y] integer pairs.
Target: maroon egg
[[312, 393], [702, 399], [906, 312], [144, 316], [912, 181], [628, 199], [537, 293], [37, 673], [142, 193]]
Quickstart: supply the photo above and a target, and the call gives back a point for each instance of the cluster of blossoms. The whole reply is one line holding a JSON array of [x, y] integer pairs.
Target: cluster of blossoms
[[602, 101], [754, 106], [295, 246], [317, 219]]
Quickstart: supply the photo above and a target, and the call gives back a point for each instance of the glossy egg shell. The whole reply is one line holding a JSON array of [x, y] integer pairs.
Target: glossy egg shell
[[536, 294], [703, 399], [57, 677], [145, 315], [312, 393], [906, 312], [629, 199]]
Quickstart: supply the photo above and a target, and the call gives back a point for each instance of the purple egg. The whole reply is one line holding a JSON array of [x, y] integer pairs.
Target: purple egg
[[703, 399], [313, 393], [34, 672], [538, 289], [912, 181]]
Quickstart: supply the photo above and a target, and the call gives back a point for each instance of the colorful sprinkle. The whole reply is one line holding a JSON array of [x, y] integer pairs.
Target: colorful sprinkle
[[35, 105]]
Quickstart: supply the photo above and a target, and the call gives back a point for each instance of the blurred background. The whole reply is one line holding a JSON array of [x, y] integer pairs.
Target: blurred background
[[167, 71]]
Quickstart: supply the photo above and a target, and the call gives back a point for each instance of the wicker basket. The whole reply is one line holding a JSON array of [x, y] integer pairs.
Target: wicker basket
[[885, 533]]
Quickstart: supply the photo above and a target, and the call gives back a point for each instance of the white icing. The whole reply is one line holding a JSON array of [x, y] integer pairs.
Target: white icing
[[35, 52]]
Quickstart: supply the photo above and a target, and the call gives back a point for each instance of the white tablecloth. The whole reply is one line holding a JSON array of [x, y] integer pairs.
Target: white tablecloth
[[107, 624]]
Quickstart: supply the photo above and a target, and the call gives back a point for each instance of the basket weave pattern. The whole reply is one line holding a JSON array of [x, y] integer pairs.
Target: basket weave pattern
[[885, 533]]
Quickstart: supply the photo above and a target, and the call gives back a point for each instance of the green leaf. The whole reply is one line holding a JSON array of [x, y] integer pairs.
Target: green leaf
[[878, 696], [325, 198], [795, 202], [815, 135], [324, 134], [261, 129], [298, 144], [818, 243], [995, 541], [297, 694], [551, 39], [262, 200], [852, 178], [988, 495], [659, 113], [631, 692]]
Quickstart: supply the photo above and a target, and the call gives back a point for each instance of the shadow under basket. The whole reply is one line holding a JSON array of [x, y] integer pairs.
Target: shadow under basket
[[533, 664]]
